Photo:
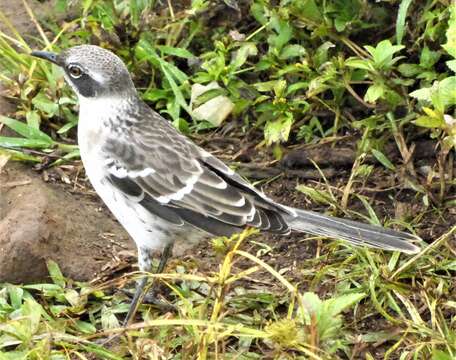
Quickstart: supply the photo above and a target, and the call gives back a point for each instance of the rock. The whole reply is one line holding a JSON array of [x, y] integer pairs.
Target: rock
[[41, 221], [214, 110]]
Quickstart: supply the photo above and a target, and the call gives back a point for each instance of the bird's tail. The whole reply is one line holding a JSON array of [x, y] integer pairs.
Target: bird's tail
[[354, 232]]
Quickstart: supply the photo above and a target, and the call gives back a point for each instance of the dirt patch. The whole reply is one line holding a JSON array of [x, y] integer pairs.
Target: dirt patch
[[20, 19], [40, 221]]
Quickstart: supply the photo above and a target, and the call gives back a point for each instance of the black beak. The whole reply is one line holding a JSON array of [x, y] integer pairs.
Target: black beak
[[49, 56]]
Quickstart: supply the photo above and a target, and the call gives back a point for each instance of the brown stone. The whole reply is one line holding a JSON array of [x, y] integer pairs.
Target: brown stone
[[40, 221]]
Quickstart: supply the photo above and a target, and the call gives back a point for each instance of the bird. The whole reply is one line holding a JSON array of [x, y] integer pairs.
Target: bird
[[163, 187]]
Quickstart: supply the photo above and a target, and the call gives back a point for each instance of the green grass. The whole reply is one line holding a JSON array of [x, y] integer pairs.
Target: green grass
[[306, 72], [246, 310]]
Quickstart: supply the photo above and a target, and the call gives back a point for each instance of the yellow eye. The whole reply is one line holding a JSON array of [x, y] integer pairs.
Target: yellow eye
[[75, 71]]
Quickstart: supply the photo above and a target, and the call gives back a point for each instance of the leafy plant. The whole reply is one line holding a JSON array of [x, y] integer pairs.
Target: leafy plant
[[378, 76]]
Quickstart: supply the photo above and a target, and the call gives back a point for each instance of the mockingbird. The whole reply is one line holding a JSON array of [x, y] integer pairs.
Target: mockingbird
[[161, 186]]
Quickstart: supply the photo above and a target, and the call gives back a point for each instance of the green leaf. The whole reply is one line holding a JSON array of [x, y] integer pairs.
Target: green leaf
[[266, 86], [263, 64], [372, 215], [44, 288], [75, 154], [315, 195], [18, 155], [423, 94], [291, 51], [321, 54], [64, 100], [26, 131], [16, 295], [176, 90], [134, 13], [208, 95], [441, 355], [328, 314], [85, 327], [46, 105], [359, 64], [178, 74], [65, 128], [179, 52], [451, 65], [374, 92], [301, 85], [278, 130], [14, 142], [428, 58], [409, 70], [383, 159], [156, 94], [450, 45], [400, 21], [33, 119], [55, 273], [61, 5], [383, 53], [259, 13], [335, 306], [72, 296], [32, 311], [343, 12], [447, 91], [181, 125], [86, 4], [108, 319], [241, 55], [311, 302], [279, 88], [100, 352], [284, 33], [307, 10], [442, 94], [429, 122]]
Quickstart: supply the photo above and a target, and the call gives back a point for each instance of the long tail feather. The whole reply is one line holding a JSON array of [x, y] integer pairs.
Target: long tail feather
[[354, 232]]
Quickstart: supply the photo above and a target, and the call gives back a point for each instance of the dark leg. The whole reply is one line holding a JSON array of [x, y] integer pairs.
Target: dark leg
[[166, 254], [145, 265]]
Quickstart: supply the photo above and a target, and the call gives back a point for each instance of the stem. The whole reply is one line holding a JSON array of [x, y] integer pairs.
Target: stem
[[356, 96], [441, 162]]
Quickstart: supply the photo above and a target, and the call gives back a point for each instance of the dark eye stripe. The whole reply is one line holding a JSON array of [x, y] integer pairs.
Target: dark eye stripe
[[86, 86]]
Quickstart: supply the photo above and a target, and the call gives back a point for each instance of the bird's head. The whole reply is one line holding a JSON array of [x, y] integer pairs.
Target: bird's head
[[93, 72]]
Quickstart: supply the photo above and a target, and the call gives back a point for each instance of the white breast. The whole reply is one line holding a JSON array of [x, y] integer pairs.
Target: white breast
[[147, 230]]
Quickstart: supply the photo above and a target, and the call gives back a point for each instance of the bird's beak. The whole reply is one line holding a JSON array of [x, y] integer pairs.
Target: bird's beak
[[46, 55]]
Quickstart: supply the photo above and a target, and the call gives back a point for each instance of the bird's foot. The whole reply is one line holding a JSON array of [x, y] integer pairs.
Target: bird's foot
[[151, 299]]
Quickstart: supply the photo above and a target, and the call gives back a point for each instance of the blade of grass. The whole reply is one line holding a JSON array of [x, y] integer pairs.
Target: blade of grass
[[427, 249], [400, 20]]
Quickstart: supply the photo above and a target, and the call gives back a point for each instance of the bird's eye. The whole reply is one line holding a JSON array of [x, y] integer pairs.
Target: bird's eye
[[75, 71]]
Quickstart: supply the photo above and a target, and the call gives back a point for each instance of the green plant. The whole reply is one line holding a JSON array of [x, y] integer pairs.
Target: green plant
[[375, 76]]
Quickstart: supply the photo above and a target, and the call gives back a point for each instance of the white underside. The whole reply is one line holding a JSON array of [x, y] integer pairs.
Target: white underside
[[147, 230]]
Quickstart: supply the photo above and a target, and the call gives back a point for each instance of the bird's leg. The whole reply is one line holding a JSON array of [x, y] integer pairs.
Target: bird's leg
[[149, 296], [145, 264]]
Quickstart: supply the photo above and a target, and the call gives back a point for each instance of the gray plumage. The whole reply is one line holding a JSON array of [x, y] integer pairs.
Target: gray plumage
[[161, 186], [149, 164]]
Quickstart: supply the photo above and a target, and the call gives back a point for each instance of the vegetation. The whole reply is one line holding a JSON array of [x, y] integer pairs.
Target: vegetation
[[288, 73]]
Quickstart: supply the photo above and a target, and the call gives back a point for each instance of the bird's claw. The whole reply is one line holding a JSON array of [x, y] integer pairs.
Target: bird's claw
[[151, 299]]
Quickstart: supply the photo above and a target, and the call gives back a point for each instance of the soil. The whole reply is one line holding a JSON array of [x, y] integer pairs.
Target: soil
[[42, 221]]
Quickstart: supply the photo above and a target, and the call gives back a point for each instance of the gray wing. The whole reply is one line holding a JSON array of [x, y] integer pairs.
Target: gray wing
[[173, 178]]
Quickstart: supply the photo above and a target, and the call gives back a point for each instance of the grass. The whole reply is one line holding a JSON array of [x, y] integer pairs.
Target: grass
[[305, 73]]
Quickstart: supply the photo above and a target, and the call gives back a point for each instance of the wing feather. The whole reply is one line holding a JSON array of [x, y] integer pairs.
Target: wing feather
[[155, 164]]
